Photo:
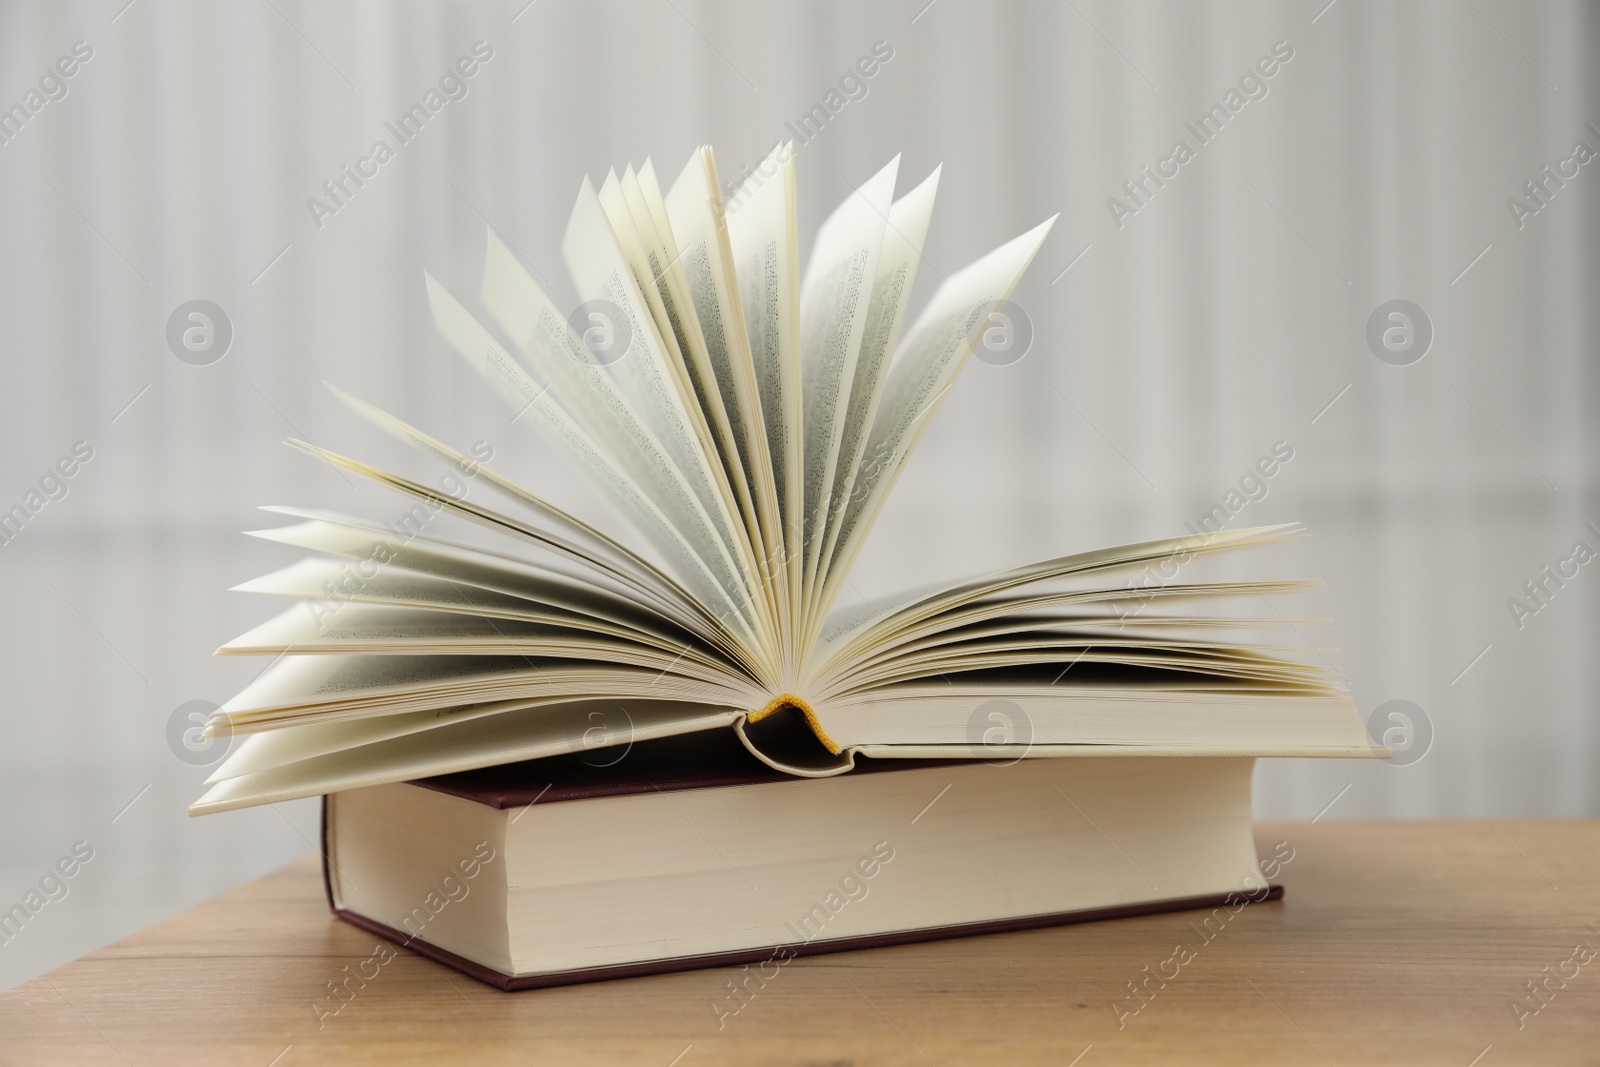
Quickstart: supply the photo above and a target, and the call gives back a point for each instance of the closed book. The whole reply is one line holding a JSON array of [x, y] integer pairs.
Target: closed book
[[689, 852]]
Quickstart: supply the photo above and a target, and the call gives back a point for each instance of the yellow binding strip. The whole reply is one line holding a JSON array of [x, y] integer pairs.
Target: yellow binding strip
[[790, 700]]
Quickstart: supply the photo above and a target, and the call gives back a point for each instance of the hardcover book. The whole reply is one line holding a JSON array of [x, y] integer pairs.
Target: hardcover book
[[690, 852], [746, 422]]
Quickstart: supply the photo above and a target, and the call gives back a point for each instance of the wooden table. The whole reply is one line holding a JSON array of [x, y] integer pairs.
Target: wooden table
[[1402, 943]]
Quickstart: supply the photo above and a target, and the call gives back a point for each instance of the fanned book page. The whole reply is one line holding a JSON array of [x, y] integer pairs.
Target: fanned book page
[[746, 422]]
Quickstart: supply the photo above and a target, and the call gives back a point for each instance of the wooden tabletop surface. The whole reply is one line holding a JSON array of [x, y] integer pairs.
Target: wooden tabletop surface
[[1407, 943]]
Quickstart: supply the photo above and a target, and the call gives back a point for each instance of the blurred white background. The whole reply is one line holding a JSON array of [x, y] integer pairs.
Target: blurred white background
[[1228, 313]]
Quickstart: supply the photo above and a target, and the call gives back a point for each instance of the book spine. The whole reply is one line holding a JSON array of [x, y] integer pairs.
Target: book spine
[[327, 874]]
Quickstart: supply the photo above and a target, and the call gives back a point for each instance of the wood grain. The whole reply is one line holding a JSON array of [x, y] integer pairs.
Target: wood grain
[[1401, 943]]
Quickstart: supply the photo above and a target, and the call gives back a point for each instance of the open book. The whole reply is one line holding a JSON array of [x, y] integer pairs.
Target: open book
[[748, 422]]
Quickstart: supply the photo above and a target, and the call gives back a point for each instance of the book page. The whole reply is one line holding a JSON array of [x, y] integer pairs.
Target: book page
[[762, 222], [876, 630], [698, 225], [620, 200], [525, 313], [583, 389], [329, 585], [583, 581], [662, 259], [1123, 610], [374, 629], [380, 548], [602, 720], [380, 628], [1090, 623], [329, 687], [687, 540], [833, 315], [584, 541], [923, 370], [1195, 663], [377, 550], [574, 565], [903, 239], [483, 741], [646, 253], [277, 748], [655, 385], [1229, 719]]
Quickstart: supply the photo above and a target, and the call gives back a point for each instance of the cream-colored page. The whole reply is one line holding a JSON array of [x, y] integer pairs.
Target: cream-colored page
[[694, 209], [599, 406], [653, 385], [686, 539], [661, 254], [1201, 671], [903, 239], [574, 566], [542, 731], [326, 585], [385, 550], [1070, 629], [378, 550], [584, 541], [279, 748], [329, 687], [391, 628], [680, 335], [1124, 610], [590, 395], [881, 627], [912, 719], [761, 219], [666, 257], [924, 368], [833, 314], [632, 247], [704, 256]]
